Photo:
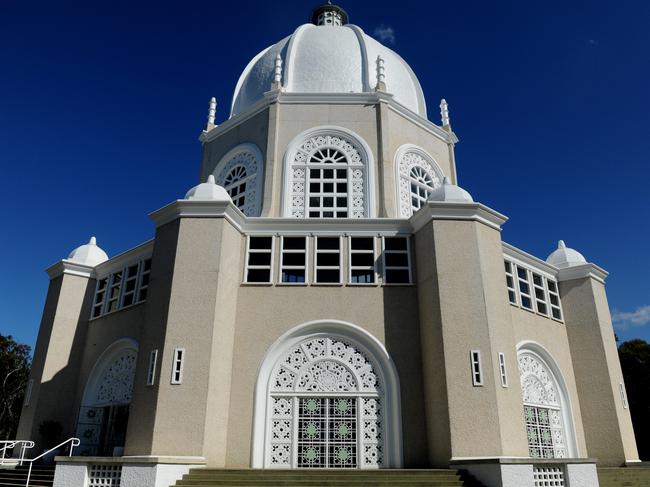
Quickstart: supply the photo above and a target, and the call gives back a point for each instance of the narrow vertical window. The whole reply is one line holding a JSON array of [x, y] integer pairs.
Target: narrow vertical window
[[28, 392], [554, 299], [114, 292], [510, 283], [100, 296], [177, 366], [130, 284], [477, 371], [396, 257], [540, 294], [293, 260], [145, 272], [502, 370], [621, 388], [328, 260], [362, 260], [524, 288], [151, 371], [259, 259]]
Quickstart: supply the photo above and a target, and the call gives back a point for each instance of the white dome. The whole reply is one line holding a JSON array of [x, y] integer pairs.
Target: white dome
[[328, 59], [89, 254], [565, 257], [208, 191], [450, 193]]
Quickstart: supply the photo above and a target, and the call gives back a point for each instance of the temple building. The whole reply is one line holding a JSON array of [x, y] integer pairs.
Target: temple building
[[329, 297]]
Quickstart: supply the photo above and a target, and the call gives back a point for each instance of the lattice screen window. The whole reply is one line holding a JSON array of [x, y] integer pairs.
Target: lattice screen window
[[545, 476], [240, 174], [418, 176], [327, 179], [103, 475]]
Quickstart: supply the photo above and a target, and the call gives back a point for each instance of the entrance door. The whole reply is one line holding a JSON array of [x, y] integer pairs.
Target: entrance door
[[327, 432]]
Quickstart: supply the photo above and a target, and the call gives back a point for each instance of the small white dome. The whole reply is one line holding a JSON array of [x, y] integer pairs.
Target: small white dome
[[89, 254], [450, 193], [208, 191], [328, 59], [565, 257]]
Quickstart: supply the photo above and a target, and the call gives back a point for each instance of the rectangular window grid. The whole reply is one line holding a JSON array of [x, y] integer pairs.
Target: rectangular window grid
[[151, 370], [143, 285], [554, 299], [544, 432], [103, 475], [510, 283], [328, 260], [293, 260], [114, 292], [544, 476], [100, 296], [362, 260], [396, 260], [177, 366], [259, 259], [121, 289], [327, 432], [502, 370], [477, 372], [328, 193], [130, 284], [524, 287], [541, 302]]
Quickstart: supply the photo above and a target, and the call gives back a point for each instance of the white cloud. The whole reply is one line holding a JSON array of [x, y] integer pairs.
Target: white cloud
[[626, 319], [385, 33]]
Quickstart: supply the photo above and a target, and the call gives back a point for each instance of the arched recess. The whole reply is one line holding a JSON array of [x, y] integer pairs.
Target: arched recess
[[417, 174], [104, 411], [307, 383], [241, 172], [328, 173], [548, 415]]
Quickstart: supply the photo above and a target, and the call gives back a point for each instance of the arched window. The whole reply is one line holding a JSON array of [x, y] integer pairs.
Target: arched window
[[546, 411], [417, 176], [327, 175], [240, 172], [327, 397], [104, 412]]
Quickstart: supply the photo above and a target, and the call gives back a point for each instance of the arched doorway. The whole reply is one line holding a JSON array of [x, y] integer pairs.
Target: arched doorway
[[104, 411], [547, 411], [327, 397]]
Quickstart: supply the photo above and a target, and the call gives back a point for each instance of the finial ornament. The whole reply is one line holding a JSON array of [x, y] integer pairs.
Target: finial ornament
[[561, 245], [277, 73], [92, 241], [212, 112], [381, 75], [211, 179], [444, 113]]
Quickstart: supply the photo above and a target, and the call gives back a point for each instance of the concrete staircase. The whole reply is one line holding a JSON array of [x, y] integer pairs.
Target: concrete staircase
[[637, 476], [42, 476], [330, 477]]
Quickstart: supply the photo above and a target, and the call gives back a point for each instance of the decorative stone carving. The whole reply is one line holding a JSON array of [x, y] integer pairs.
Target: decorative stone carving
[[239, 175], [409, 161], [116, 383]]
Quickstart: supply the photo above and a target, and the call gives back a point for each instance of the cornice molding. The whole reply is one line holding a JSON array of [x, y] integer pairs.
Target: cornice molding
[[142, 251], [457, 211], [530, 260], [371, 98], [70, 268], [581, 272]]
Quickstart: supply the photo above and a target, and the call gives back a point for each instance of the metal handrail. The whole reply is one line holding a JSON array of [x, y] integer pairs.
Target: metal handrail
[[9, 444], [73, 442]]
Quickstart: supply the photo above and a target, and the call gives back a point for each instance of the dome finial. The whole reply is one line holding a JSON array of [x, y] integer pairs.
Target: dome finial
[[329, 14], [561, 245], [92, 241], [212, 112]]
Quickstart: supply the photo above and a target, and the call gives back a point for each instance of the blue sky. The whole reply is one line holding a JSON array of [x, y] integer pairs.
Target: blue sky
[[101, 105]]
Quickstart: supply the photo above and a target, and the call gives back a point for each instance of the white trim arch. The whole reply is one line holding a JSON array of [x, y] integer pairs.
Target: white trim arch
[[563, 401], [360, 177], [408, 157], [249, 157], [369, 346]]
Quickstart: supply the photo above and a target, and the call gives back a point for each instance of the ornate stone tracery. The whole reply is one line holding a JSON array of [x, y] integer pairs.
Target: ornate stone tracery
[[417, 177], [116, 383], [240, 172]]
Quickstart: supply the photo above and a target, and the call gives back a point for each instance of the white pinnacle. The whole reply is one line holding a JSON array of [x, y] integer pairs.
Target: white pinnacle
[[212, 112], [444, 113]]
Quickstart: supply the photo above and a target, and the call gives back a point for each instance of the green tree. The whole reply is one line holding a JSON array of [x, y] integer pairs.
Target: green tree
[[635, 362], [14, 373]]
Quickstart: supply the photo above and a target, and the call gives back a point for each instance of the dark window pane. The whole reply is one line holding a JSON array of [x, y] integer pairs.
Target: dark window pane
[[511, 297], [556, 314], [522, 273], [397, 260], [328, 243], [342, 187], [259, 275], [327, 275], [314, 214], [525, 302], [293, 259], [128, 300], [395, 243], [145, 280], [143, 294], [509, 281], [539, 293], [260, 242], [132, 271], [328, 214], [328, 187], [541, 307], [130, 285], [341, 173], [363, 260], [294, 243], [328, 173], [507, 264], [327, 259], [397, 276], [361, 276], [147, 264], [314, 187], [293, 275], [263, 258], [554, 300], [362, 243], [314, 173], [552, 286], [341, 202], [523, 287], [314, 202], [328, 202], [537, 279]]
